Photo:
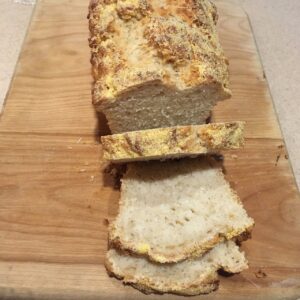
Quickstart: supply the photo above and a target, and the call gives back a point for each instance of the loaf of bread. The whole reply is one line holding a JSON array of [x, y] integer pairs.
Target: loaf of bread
[[159, 70], [190, 277], [172, 142], [173, 210], [156, 63]]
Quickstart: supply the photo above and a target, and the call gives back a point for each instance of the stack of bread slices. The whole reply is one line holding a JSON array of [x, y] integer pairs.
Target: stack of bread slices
[[159, 70]]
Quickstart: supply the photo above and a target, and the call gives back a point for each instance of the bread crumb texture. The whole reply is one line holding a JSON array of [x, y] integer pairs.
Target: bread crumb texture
[[174, 210], [189, 277]]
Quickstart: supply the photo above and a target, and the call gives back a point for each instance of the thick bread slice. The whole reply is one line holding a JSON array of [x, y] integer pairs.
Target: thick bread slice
[[173, 210], [172, 142], [189, 277], [156, 63]]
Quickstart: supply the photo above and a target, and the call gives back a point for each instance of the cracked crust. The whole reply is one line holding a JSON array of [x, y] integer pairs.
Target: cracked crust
[[181, 33], [172, 142]]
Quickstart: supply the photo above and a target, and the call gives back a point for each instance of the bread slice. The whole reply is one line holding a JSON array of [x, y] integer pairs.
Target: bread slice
[[189, 277], [172, 142], [173, 210], [156, 64]]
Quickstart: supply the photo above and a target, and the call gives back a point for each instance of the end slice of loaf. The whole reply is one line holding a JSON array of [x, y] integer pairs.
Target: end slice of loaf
[[190, 277], [173, 210], [172, 142]]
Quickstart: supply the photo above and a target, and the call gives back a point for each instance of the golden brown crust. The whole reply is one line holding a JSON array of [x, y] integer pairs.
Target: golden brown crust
[[194, 251], [172, 142], [177, 43]]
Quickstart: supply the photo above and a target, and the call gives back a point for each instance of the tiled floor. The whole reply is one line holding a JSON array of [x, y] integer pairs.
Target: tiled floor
[[276, 25]]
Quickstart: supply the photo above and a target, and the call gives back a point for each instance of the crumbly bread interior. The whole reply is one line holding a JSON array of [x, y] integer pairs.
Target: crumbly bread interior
[[187, 277], [173, 210], [156, 106]]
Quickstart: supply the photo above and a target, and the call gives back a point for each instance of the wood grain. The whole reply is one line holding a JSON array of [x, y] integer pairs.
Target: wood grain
[[56, 196]]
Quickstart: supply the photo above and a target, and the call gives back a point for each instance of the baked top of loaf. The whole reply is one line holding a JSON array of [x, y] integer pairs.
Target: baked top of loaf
[[170, 211], [172, 142], [189, 277], [135, 42]]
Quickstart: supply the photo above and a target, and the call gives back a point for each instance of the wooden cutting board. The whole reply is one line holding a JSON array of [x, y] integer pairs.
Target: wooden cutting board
[[55, 197]]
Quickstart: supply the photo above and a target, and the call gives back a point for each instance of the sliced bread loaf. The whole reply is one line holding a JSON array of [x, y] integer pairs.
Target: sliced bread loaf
[[189, 277], [156, 63], [173, 210], [172, 142]]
